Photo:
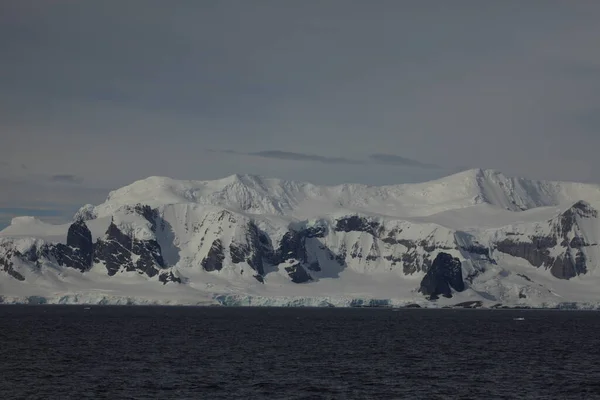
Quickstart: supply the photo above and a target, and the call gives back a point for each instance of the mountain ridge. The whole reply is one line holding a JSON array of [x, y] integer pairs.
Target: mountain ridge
[[516, 241]]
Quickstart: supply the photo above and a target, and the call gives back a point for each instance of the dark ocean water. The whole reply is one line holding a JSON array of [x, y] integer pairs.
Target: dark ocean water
[[69, 352]]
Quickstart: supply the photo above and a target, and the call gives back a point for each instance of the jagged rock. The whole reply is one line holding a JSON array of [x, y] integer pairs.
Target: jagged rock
[[166, 277], [564, 267], [536, 252], [292, 247], [78, 253], [413, 262], [318, 231], [256, 251], [445, 273], [80, 237], [539, 250], [119, 251], [149, 256], [214, 259], [7, 265], [568, 219], [354, 223], [298, 273], [114, 250], [150, 214]]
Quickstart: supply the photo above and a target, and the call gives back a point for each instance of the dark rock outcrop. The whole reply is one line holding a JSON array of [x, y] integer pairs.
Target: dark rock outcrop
[[166, 277], [34, 256], [116, 250], [119, 251], [354, 223], [293, 244], [257, 250], [298, 273], [149, 213], [7, 266], [78, 253], [445, 274], [538, 250], [214, 259], [292, 249]]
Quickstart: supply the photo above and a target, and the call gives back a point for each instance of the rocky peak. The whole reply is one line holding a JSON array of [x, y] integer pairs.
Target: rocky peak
[[79, 250], [79, 236], [562, 250], [85, 213], [584, 209], [566, 223]]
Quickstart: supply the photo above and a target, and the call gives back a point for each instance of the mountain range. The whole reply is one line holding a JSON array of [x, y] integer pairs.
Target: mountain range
[[474, 238]]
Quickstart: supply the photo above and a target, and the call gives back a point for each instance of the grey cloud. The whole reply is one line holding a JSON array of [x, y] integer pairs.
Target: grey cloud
[[288, 155], [381, 159], [293, 156], [494, 83], [392, 159], [67, 178]]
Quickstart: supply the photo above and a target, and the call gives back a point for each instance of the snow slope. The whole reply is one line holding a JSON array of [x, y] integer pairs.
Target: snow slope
[[247, 239]]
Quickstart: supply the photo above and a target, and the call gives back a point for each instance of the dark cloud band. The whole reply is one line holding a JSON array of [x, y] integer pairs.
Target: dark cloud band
[[377, 159]]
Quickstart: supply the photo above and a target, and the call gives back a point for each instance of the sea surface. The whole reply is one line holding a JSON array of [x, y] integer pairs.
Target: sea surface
[[75, 352]]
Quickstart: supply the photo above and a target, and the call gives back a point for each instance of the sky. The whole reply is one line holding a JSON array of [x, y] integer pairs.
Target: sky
[[96, 95]]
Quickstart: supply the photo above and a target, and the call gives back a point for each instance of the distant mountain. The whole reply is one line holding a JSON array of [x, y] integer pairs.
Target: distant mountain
[[476, 236]]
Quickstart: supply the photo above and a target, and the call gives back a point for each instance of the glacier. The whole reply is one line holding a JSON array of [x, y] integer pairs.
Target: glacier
[[476, 237]]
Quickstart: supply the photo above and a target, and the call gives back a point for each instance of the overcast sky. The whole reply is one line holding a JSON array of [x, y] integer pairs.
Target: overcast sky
[[97, 94]]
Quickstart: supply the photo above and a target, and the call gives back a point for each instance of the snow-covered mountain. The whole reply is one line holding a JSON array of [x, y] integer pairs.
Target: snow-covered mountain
[[474, 236]]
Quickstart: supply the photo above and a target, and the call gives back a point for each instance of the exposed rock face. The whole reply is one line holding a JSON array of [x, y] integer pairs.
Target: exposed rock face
[[122, 251], [149, 213], [293, 249], [298, 273], [256, 251], [355, 223], [119, 251], [536, 251], [79, 251], [565, 240], [7, 265], [166, 277], [114, 250], [214, 259], [445, 273]]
